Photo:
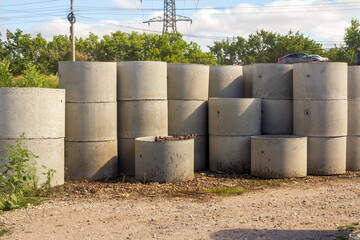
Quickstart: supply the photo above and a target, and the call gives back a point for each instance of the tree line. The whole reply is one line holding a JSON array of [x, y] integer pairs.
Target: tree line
[[20, 52]]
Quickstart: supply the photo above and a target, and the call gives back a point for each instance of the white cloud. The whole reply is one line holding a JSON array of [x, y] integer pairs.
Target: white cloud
[[128, 3]]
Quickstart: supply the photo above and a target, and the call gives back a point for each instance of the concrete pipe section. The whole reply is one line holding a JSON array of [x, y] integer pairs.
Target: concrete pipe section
[[164, 161], [248, 80], [354, 82], [39, 114], [320, 118], [353, 153], [91, 119], [141, 80], [353, 117], [226, 82], [272, 81], [188, 117], [88, 81], [280, 156], [234, 116], [321, 80], [326, 155], [229, 154], [355, 235], [276, 116], [188, 81]]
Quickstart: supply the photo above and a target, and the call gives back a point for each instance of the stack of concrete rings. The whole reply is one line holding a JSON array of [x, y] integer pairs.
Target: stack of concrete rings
[[353, 138], [90, 136], [273, 83], [39, 115], [142, 107], [320, 113], [232, 122], [188, 92]]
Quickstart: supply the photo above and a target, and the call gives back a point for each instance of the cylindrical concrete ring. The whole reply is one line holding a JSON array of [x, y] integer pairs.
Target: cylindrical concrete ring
[[353, 153], [276, 116], [248, 80], [353, 82], [278, 156], [168, 161], [226, 81]]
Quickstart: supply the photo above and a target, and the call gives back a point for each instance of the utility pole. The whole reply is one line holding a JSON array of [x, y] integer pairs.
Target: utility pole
[[71, 18], [169, 18]]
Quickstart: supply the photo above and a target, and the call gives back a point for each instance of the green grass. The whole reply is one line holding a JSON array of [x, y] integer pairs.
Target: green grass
[[4, 232], [224, 191], [352, 226]]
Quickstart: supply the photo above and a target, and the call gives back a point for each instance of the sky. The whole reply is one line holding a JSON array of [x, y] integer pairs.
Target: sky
[[212, 20]]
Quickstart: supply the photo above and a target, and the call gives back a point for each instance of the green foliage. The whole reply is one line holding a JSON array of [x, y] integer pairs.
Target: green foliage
[[6, 78], [18, 177], [352, 226], [4, 232]]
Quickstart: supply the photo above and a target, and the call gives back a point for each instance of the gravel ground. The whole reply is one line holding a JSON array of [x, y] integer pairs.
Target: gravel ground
[[306, 208]]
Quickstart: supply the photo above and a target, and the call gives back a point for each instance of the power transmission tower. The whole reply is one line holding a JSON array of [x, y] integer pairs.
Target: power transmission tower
[[169, 18]]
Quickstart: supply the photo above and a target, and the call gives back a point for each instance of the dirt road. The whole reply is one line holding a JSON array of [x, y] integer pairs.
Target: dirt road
[[309, 208]]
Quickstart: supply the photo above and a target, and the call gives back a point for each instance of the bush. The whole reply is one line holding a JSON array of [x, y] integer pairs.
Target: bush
[[6, 78]]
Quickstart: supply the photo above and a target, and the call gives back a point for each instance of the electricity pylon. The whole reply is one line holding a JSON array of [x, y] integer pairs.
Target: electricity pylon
[[169, 18]]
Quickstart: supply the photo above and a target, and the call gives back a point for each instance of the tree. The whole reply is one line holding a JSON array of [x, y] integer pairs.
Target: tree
[[352, 39]]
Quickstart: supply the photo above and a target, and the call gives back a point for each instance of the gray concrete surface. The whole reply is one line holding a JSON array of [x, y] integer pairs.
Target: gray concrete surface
[[50, 154], [226, 82], [277, 116], [353, 153], [188, 117], [320, 118], [248, 80], [355, 235], [126, 154], [229, 154], [353, 82], [320, 80], [272, 81], [142, 118], [201, 153], [188, 81], [326, 155], [139, 80], [234, 116], [88, 81], [91, 160], [353, 117], [168, 161], [39, 113], [278, 156], [91, 121]]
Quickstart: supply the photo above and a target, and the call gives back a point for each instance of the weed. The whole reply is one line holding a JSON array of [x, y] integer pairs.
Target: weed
[[18, 178], [352, 226], [4, 232], [225, 191]]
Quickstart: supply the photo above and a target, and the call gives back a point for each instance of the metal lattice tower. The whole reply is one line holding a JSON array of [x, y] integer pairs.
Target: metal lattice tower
[[169, 18]]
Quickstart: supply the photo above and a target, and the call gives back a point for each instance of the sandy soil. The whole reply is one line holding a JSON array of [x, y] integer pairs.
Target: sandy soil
[[308, 208]]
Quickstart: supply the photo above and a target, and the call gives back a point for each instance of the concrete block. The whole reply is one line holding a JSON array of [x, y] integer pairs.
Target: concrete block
[[50, 153], [320, 118], [36, 112], [353, 153], [278, 156], [272, 81], [234, 116], [88, 81], [326, 155], [91, 160], [353, 117], [168, 161], [201, 154], [91, 121], [320, 80], [248, 80], [276, 116], [353, 82], [229, 154], [188, 81], [140, 80], [188, 117], [226, 82], [355, 235], [142, 118]]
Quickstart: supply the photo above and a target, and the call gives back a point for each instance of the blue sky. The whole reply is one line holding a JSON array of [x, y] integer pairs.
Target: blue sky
[[213, 20]]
